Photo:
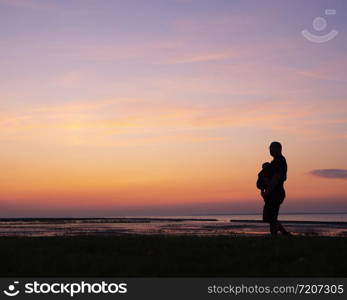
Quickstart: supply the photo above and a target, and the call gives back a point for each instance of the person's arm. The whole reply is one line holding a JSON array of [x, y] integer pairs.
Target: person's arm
[[275, 179]]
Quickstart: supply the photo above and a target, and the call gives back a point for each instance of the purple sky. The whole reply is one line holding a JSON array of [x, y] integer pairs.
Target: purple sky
[[129, 107]]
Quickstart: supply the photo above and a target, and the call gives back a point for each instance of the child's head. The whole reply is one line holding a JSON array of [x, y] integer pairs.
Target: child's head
[[266, 165]]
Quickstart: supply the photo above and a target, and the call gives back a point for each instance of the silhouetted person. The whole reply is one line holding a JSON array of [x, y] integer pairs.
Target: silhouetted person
[[271, 184]]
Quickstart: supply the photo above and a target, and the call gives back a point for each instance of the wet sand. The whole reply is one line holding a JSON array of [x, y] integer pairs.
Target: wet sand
[[161, 226]]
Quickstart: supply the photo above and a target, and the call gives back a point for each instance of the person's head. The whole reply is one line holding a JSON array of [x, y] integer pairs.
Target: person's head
[[275, 149]]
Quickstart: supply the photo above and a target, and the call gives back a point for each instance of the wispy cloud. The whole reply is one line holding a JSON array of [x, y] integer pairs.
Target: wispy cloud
[[207, 23], [29, 4], [330, 173], [150, 119], [204, 57], [332, 70]]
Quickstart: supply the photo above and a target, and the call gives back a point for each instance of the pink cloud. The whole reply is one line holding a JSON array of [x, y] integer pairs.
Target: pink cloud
[[333, 70], [207, 24]]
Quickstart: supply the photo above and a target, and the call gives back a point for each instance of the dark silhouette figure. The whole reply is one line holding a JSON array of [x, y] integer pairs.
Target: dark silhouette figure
[[271, 183]]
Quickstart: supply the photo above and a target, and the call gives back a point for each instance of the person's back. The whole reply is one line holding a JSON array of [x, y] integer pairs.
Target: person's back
[[279, 168]]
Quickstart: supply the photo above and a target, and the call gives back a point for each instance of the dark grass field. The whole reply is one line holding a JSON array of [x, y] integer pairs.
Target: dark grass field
[[173, 256]]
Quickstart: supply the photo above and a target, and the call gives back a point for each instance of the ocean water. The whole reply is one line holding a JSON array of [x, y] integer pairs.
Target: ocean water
[[319, 217], [203, 225]]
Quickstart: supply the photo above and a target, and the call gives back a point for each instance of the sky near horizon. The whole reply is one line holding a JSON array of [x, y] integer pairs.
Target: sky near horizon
[[168, 107]]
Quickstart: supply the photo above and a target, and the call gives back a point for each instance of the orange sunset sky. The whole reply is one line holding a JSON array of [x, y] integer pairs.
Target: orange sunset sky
[[114, 108]]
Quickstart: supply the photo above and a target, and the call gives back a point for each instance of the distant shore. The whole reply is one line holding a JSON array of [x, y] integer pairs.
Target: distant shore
[[134, 255]]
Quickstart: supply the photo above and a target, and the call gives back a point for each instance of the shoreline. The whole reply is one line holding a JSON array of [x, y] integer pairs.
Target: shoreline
[[159, 219], [30, 227]]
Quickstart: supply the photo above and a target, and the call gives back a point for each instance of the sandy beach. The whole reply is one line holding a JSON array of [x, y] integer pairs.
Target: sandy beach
[[172, 255]]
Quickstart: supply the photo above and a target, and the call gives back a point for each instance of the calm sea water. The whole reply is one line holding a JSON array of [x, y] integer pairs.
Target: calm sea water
[[319, 217], [203, 225]]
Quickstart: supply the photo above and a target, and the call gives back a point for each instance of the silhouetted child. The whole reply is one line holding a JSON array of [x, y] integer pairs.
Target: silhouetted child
[[264, 177]]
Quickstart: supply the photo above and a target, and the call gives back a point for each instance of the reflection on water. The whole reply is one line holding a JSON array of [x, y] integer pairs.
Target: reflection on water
[[325, 225]]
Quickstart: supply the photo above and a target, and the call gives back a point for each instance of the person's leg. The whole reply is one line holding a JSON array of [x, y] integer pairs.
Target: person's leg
[[280, 198], [266, 214], [282, 229], [273, 228], [273, 212], [276, 201], [279, 225]]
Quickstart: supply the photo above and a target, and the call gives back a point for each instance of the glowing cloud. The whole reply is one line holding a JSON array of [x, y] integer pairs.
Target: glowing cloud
[[330, 173]]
